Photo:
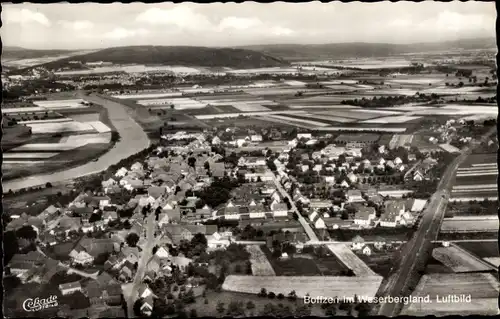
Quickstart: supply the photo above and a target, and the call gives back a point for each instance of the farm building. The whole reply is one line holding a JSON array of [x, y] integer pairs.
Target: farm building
[[357, 140]]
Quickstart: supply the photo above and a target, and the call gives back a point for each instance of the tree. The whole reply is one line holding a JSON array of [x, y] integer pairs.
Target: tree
[[199, 239], [27, 232], [95, 217], [235, 309], [126, 224], [193, 313], [220, 307], [137, 307], [132, 239], [280, 296], [271, 295], [250, 305], [263, 292], [48, 185]]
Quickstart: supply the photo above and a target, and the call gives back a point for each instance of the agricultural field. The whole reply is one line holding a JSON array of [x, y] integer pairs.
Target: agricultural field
[[449, 148], [328, 118], [326, 286], [470, 225], [481, 249], [482, 287], [260, 264], [459, 260], [400, 140], [350, 260], [494, 261], [392, 119]]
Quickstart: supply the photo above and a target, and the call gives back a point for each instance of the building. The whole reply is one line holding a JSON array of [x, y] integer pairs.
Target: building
[[354, 195], [357, 140], [358, 243], [364, 215], [69, 288], [256, 210], [392, 215]]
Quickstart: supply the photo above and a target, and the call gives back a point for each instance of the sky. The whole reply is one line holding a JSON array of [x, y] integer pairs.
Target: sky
[[93, 26]]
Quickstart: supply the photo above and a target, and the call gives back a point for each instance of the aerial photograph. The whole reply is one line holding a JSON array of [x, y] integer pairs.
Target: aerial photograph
[[183, 160]]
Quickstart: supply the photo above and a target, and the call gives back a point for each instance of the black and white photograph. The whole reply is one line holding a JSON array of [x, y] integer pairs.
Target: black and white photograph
[[184, 160]]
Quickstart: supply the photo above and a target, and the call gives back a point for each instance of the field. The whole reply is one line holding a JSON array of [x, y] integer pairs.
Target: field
[[260, 264], [459, 260], [328, 117], [483, 289], [449, 148], [481, 249], [325, 286], [392, 119], [147, 95], [476, 178], [472, 225], [28, 155], [495, 261], [350, 260]]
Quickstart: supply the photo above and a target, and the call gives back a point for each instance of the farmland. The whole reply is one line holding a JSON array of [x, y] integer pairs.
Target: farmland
[[459, 260], [260, 264], [470, 225], [483, 289], [481, 249], [350, 260], [325, 286]]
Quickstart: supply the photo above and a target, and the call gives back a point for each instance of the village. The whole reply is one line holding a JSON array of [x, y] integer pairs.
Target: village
[[196, 200]]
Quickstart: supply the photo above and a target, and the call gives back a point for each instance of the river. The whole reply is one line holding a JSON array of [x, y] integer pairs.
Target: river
[[133, 139]]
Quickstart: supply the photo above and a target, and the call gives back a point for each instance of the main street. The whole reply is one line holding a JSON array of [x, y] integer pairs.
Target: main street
[[426, 233], [303, 222], [146, 255]]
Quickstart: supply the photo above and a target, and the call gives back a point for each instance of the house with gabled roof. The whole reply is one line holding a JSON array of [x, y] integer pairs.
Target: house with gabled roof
[[364, 215], [357, 243], [354, 196]]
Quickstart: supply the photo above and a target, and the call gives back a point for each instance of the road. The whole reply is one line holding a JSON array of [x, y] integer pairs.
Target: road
[[146, 255], [133, 139], [426, 233], [303, 222]]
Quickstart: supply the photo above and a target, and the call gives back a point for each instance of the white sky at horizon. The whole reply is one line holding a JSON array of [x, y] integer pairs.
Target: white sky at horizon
[[92, 26]]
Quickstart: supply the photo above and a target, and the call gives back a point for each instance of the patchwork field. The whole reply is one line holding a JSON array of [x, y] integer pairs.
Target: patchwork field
[[483, 289], [400, 140], [147, 95], [459, 260], [325, 286], [481, 249], [32, 155]]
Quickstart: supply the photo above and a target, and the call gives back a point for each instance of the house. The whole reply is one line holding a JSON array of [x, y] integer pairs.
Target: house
[[357, 140], [21, 263], [354, 195], [136, 167], [252, 161], [364, 215], [412, 157], [392, 214], [109, 215], [122, 172], [320, 203], [280, 210], [306, 136], [157, 191], [390, 164], [398, 161], [357, 243], [162, 253], [69, 288], [381, 149], [344, 184], [256, 138], [218, 169], [108, 183], [379, 243], [366, 251], [147, 306], [231, 211], [79, 256], [216, 141], [418, 176], [329, 179], [126, 272], [256, 210]]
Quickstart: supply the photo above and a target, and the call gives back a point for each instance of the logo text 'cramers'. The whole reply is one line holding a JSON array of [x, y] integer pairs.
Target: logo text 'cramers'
[[37, 304]]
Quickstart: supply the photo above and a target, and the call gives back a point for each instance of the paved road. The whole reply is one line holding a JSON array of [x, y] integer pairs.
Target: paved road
[[146, 255], [303, 222], [427, 232], [133, 139]]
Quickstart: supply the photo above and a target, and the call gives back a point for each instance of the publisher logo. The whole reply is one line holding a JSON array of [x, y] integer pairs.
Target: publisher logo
[[37, 304]]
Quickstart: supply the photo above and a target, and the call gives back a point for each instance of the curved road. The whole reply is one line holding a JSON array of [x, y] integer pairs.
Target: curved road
[[133, 139], [426, 233]]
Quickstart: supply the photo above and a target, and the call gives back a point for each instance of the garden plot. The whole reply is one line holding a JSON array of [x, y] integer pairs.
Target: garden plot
[[470, 225], [22, 162], [99, 126], [260, 265], [46, 121], [28, 155], [416, 81], [338, 82], [483, 289], [381, 112], [350, 260], [179, 103], [325, 286], [392, 119], [148, 95], [60, 127], [459, 260], [328, 118], [310, 122]]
